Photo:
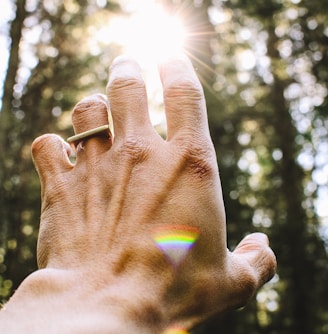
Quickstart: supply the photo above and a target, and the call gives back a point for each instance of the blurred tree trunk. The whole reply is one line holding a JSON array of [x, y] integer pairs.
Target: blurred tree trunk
[[6, 115], [294, 240], [61, 72], [292, 234], [253, 119], [10, 148]]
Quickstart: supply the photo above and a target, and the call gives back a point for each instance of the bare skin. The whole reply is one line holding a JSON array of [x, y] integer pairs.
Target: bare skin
[[100, 268]]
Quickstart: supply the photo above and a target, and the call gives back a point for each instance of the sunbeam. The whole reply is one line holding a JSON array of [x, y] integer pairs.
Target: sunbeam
[[157, 30]]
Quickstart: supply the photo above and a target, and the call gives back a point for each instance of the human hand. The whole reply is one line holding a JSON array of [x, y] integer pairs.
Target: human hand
[[102, 215]]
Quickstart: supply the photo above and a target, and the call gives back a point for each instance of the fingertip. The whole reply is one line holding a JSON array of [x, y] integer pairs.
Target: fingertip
[[181, 58], [255, 249], [257, 237], [39, 144], [122, 59], [50, 152], [91, 112], [124, 67], [178, 69]]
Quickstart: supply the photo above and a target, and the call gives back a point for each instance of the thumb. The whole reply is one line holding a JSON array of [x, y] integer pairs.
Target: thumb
[[254, 249], [50, 155], [252, 264]]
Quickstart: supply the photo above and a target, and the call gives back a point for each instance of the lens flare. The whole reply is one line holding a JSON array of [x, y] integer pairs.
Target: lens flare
[[175, 241], [175, 330]]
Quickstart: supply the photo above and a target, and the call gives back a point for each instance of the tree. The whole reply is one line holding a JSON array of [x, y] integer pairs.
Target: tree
[[9, 168], [264, 69], [268, 97], [48, 71]]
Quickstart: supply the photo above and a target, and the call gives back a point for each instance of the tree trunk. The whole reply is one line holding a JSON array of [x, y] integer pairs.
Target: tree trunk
[[297, 304], [6, 116], [10, 147]]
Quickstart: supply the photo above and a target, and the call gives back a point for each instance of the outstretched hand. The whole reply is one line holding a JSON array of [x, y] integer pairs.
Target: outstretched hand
[[136, 225]]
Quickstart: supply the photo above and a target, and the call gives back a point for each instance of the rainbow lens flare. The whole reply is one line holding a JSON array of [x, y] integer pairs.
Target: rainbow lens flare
[[175, 330], [175, 241]]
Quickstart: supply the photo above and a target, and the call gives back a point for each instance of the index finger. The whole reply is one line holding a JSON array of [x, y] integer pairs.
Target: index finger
[[183, 98]]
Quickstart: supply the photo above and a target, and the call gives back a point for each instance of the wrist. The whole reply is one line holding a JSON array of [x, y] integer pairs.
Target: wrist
[[69, 302], [72, 301]]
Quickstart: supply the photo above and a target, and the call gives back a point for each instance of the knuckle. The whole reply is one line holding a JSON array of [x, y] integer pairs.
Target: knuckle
[[199, 158], [242, 281], [267, 264], [188, 90], [132, 84], [245, 284], [54, 192], [135, 149], [248, 285]]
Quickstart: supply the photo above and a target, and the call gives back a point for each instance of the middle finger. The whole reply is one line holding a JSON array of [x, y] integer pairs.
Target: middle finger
[[183, 98], [128, 99]]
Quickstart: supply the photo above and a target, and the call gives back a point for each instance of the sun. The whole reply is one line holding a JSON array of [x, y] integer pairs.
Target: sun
[[152, 34], [149, 34]]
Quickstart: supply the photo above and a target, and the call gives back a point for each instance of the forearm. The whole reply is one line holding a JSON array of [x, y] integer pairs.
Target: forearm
[[42, 300], [54, 301]]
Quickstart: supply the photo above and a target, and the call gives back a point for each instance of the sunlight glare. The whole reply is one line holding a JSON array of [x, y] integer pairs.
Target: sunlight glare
[[148, 35]]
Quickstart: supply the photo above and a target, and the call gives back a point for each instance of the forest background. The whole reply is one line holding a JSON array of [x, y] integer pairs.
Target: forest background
[[264, 68]]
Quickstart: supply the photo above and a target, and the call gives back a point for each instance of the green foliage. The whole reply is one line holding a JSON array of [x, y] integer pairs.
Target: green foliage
[[40, 92], [266, 109], [264, 69]]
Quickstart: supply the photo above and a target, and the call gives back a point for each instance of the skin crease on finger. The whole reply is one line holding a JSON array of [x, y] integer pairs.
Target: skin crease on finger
[[132, 235]]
